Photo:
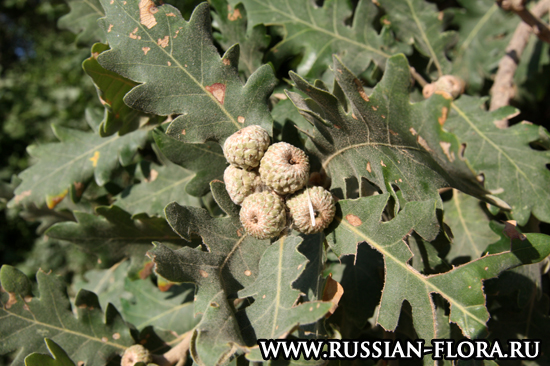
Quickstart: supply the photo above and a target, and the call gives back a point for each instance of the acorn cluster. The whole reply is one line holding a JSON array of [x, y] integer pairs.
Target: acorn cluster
[[268, 182]]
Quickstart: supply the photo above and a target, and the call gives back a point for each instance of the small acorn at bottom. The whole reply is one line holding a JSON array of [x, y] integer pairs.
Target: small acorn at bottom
[[323, 209], [263, 215], [134, 354]]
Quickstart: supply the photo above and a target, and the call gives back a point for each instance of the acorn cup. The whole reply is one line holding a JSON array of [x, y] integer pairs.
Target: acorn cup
[[246, 147], [284, 168], [322, 204], [263, 215]]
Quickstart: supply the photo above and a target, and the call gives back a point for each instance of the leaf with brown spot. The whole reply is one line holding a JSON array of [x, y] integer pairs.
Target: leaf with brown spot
[[403, 137], [183, 87], [461, 287]]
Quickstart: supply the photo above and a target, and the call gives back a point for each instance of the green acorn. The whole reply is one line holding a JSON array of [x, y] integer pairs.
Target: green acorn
[[246, 147], [241, 183], [263, 215], [284, 168], [323, 207]]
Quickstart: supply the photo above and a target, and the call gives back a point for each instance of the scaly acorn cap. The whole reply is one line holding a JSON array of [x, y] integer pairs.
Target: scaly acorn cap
[[241, 183], [246, 147], [323, 209], [263, 215], [284, 168], [134, 354]]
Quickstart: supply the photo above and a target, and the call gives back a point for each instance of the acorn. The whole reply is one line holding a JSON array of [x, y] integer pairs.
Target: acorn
[[284, 168], [322, 204], [241, 183], [263, 215], [246, 147], [134, 354]]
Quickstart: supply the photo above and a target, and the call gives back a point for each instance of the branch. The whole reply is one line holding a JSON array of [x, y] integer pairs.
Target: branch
[[503, 89], [176, 355], [540, 28]]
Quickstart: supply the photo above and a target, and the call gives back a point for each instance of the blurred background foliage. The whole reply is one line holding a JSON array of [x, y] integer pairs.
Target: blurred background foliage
[[41, 83]]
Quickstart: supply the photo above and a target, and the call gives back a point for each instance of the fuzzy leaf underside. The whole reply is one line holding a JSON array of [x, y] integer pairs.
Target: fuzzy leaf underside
[[181, 72], [417, 22], [82, 20], [512, 170], [206, 160], [359, 221], [74, 160], [319, 32], [382, 137], [484, 30], [114, 233], [111, 88], [27, 320]]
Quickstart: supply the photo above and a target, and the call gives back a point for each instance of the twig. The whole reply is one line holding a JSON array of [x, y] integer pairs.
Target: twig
[[419, 79], [503, 88], [176, 355], [540, 28]]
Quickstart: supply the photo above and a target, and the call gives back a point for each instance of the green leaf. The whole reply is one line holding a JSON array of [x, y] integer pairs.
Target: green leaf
[[217, 336], [181, 72], [511, 169], [230, 264], [115, 233], [170, 310], [484, 30], [107, 284], [383, 138], [470, 227], [60, 357], [274, 312], [111, 89], [418, 22], [82, 20], [77, 158], [165, 184], [231, 23], [27, 320], [361, 275], [206, 160], [319, 32], [462, 287]]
